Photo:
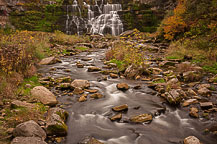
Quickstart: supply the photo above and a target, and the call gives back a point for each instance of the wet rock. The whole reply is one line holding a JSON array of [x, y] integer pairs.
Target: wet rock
[[28, 140], [49, 60], [191, 92], [173, 97], [83, 98], [79, 65], [167, 63], [204, 91], [91, 90], [80, 83], [206, 105], [17, 103], [93, 69], [78, 91], [90, 140], [173, 81], [112, 75], [137, 87], [67, 70], [44, 95], [213, 128], [29, 129], [204, 86], [189, 102], [64, 79], [55, 122], [96, 96], [191, 140], [192, 76], [194, 112], [141, 118], [86, 59], [213, 79], [120, 108], [122, 86], [116, 117], [156, 71], [65, 86], [131, 72]]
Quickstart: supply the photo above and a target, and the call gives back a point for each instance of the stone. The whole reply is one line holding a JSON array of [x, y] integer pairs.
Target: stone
[[78, 91], [65, 86], [66, 79], [10, 130], [79, 65], [191, 76], [120, 108], [112, 75], [213, 79], [29, 129], [96, 96], [131, 72], [91, 90], [173, 81], [49, 61], [83, 98], [80, 83], [204, 91], [141, 118], [191, 92], [194, 112], [189, 102], [90, 140], [156, 71], [44, 95], [191, 140], [17, 103], [116, 117], [204, 86], [55, 122], [167, 63], [173, 97], [93, 69], [86, 59], [206, 105], [28, 140], [122, 86]]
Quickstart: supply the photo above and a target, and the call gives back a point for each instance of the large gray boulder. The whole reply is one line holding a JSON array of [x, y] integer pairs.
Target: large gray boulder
[[80, 83], [55, 124], [49, 60], [29, 129], [28, 140], [44, 95]]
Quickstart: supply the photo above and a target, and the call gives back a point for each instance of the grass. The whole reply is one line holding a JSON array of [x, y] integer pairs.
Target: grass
[[82, 48], [120, 64], [211, 68], [159, 81]]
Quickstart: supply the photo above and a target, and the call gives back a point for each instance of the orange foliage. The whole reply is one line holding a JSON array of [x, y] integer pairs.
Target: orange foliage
[[175, 24]]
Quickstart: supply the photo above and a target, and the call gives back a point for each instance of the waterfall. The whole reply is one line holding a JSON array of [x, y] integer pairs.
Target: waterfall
[[101, 19]]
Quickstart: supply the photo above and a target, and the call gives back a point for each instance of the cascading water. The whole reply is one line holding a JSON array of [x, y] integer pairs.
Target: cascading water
[[101, 19]]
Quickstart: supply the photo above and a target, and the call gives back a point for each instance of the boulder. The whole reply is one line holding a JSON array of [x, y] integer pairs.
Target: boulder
[[191, 140], [206, 105], [204, 91], [17, 103], [173, 97], [44, 95], [194, 112], [120, 108], [122, 86], [93, 69], [189, 102], [49, 61], [141, 118], [55, 122], [131, 72], [28, 140], [192, 76], [80, 83], [116, 117], [29, 129]]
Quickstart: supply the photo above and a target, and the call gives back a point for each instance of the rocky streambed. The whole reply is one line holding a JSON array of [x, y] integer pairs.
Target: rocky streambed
[[166, 103]]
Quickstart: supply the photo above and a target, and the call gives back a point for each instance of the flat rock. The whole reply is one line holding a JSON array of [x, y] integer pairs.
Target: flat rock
[[65, 86], [78, 91], [206, 105], [17, 103], [91, 90], [122, 86], [173, 97], [44, 95], [86, 59], [49, 60], [79, 65], [80, 83], [28, 140], [29, 129], [116, 117], [189, 102], [204, 91], [194, 112], [90, 140], [141, 118], [83, 98], [191, 92], [112, 75], [96, 96], [192, 76], [191, 140], [204, 86], [55, 122], [93, 69], [119, 108], [156, 71]]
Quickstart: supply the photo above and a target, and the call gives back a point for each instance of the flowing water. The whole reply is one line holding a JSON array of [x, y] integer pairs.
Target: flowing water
[[91, 118]]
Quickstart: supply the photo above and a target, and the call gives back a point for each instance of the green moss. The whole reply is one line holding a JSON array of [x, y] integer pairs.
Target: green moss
[[82, 48], [159, 81], [211, 68], [57, 129]]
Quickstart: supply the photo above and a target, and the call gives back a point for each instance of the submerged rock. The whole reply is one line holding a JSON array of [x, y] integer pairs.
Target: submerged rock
[[44, 95], [93, 69], [96, 96], [80, 83], [141, 118], [29, 129], [116, 117], [55, 123], [83, 98], [191, 140], [120, 108], [28, 140], [122, 86]]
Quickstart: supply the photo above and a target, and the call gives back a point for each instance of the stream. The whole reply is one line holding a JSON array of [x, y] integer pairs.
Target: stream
[[170, 125]]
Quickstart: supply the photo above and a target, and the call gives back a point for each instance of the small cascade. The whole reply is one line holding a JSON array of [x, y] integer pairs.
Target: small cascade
[[101, 19]]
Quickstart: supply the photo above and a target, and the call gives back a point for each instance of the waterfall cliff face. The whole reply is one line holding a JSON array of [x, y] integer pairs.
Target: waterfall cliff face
[[101, 19]]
